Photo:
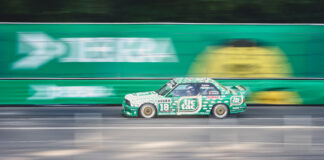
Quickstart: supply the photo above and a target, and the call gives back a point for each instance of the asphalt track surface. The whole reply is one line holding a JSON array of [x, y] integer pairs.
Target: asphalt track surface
[[93, 132]]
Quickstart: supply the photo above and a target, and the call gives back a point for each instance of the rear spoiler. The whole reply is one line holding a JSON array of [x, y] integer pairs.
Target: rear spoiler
[[240, 88]]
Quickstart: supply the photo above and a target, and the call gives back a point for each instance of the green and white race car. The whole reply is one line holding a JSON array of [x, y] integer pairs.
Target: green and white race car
[[187, 96]]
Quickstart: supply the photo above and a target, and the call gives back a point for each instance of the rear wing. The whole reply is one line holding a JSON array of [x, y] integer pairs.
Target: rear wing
[[239, 89]]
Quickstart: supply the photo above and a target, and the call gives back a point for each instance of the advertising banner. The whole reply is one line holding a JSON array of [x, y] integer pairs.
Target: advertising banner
[[117, 51]]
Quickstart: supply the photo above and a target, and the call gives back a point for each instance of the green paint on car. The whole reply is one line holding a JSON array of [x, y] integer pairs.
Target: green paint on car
[[187, 96]]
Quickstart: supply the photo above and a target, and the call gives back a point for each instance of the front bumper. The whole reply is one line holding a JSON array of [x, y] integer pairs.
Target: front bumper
[[129, 110]]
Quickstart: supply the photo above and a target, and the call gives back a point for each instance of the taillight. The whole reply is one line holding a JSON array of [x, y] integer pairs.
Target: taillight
[[243, 100]]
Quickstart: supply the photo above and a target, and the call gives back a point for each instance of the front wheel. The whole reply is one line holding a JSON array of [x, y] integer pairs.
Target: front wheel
[[220, 111], [147, 111]]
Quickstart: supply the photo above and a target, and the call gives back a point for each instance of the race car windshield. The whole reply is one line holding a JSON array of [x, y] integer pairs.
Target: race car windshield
[[166, 88]]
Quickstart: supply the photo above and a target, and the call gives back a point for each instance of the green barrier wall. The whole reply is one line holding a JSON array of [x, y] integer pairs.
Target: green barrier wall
[[113, 91], [157, 50]]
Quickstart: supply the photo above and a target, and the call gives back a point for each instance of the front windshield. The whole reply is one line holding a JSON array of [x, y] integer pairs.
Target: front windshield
[[166, 88]]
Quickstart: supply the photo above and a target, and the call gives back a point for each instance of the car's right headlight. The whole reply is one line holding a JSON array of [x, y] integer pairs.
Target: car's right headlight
[[127, 102]]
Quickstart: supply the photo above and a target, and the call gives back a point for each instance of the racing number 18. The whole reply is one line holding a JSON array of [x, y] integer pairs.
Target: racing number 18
[[164, 107]]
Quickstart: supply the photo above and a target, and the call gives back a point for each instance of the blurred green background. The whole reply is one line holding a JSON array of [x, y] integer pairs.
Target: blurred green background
[[278, 64], [85, 63]]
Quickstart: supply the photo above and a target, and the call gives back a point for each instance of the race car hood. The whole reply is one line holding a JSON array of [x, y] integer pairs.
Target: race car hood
[[137, 99], [140, 94]]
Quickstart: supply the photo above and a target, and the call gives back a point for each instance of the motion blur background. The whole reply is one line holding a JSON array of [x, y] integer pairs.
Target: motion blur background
[[93, 52], [98, 63]]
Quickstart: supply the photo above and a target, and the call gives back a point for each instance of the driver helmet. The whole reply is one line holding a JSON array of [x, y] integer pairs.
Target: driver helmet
[[190, 90]]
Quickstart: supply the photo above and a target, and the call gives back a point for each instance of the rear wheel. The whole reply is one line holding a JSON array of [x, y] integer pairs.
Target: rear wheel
[[147, 111], [220, 111]]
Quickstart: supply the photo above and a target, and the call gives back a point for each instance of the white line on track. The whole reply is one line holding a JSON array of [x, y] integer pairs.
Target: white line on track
[[162, 128], [137, 142]]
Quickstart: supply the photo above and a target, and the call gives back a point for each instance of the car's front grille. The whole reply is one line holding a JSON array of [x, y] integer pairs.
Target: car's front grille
[[127, 102]]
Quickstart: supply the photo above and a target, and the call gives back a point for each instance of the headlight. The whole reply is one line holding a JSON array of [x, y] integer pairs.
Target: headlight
[[127, 102]]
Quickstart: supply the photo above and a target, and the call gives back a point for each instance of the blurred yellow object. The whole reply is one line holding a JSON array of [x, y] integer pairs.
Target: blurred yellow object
[[241, 62], [245, 59], [275, 97]]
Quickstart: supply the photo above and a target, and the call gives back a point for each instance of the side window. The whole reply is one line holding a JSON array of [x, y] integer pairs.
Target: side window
[[190, 89], [207, 89]]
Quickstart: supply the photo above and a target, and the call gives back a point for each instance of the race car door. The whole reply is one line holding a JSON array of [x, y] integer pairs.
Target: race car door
[[209, 95], [186, 99]]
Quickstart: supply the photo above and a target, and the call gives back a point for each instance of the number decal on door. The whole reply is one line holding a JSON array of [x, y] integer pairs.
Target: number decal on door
[[164, 107]]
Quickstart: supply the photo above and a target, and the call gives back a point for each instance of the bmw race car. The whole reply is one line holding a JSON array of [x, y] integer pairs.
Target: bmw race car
[[187, 96]]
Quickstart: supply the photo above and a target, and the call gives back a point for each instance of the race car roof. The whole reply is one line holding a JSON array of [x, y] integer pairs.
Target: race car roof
[[193, 80]]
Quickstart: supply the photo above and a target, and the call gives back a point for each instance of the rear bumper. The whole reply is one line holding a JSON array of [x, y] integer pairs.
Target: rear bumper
[[238, 108], [129, 110]]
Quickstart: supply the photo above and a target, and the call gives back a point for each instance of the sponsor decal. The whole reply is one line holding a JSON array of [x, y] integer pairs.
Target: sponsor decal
[[164, 101], [213, 97], [188, 104], [236, 100]]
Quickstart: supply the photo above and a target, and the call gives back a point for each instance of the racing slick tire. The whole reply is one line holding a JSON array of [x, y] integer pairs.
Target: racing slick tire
[[220, 111], [147, 111]]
